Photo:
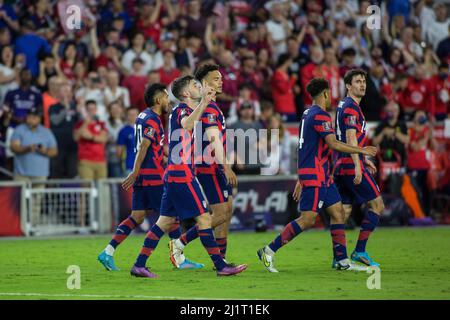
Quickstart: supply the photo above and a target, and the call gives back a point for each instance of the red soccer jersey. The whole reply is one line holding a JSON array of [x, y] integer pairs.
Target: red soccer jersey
[[418, 95], [88, 149], [441, 94]]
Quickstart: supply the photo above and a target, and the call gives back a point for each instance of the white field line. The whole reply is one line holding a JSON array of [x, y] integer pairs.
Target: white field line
[[68, 295]]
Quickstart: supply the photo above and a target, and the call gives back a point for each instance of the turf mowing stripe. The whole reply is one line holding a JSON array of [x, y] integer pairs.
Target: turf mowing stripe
[[29, 294]]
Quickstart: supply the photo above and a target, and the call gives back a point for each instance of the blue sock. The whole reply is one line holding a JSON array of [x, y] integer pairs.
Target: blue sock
[[175, 230], [210, 244], [150, 243], [123, 231], [339, 243], [290, 231], [367, 226]]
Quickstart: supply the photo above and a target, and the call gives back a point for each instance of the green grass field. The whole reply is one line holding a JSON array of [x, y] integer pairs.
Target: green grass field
[[415, 265]]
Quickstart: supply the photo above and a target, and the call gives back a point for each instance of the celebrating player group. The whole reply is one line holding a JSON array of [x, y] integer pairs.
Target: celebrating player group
[[201, 189]]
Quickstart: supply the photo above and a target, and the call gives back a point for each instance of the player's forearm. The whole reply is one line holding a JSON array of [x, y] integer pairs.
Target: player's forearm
[[351, 140], [188, 122], [140, 156], [346, 148]]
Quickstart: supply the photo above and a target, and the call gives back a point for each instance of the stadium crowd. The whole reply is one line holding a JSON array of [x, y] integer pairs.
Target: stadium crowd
[[87, 85]]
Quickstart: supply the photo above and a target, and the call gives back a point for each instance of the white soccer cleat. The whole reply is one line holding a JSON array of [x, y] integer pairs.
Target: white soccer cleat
[[267, 260], [176, 254], [348, 265]]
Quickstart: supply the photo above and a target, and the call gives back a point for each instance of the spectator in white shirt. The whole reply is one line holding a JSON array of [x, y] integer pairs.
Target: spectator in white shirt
[[436, 30], [278, 27], [114, 92], [137, 50], [94, 90]]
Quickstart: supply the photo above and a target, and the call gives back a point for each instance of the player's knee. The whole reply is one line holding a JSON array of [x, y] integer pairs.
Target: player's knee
[[306, 221], [165, 223], [377, 205], [204, 221], [138, 216]]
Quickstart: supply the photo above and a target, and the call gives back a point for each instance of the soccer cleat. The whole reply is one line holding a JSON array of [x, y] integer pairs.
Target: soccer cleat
[[267, 260], [229, 264], [229, 271], [346, 264], [142, 272], [188, 264], [178, 259], [364, 258], [107, 261]]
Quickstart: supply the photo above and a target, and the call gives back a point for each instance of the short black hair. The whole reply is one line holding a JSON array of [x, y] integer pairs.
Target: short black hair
[[131, 108], [179, 84], [316, 86], [282, 59], [203, 71], [353, 73], [151, 92], [90, 101]]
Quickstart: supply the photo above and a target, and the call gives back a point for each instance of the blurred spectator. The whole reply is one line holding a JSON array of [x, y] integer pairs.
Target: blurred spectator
[[114, 124], [114, 92], [8, 17], [23, 99], [94, 90], [282, 90], [91, 135], [168, 72], [391, 135], [69, 58], [125, 139], [248, 74], [443, 50], [135, 83], [310, 71], [8, 72], [267, 113], [417, 95], [33, 145], [279, 149], [250, 126], [48, 68], [421, 139], [137, 49], [330, 71], [437, 30], [348, 61], [51, 97], [245, 96], [229, 78], [64, 115], [194, 22], [31, 46], [266, 72], [441, 92], [278, 27], [375, 98]]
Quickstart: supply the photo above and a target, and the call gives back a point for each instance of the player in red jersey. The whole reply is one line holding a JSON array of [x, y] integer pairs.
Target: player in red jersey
[[318, 191], [183, 196], [353, 173], [212, 170]]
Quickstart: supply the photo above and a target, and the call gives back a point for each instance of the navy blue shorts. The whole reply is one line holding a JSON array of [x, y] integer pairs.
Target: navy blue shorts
[[216, 188], [364, 192], [147, 198], [316, 198], [183, 200]]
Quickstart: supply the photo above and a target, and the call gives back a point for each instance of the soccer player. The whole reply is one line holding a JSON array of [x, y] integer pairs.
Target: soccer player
[[353, 173], [183, 195], [315, 182], [213, 172], [147, 175]]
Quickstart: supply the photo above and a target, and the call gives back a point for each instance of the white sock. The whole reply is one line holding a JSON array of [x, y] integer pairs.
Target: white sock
[[269, 251], [110, 250], [179, 244]]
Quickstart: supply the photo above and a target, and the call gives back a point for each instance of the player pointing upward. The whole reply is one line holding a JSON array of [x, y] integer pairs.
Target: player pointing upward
[[318, 190]]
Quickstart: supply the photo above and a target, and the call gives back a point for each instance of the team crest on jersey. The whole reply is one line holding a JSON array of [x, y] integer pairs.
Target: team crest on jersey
[[211, 118], [204, 204], [183, 113], [352, 120], [326, 126], [150, 132], [225, 193], [320, 204]]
